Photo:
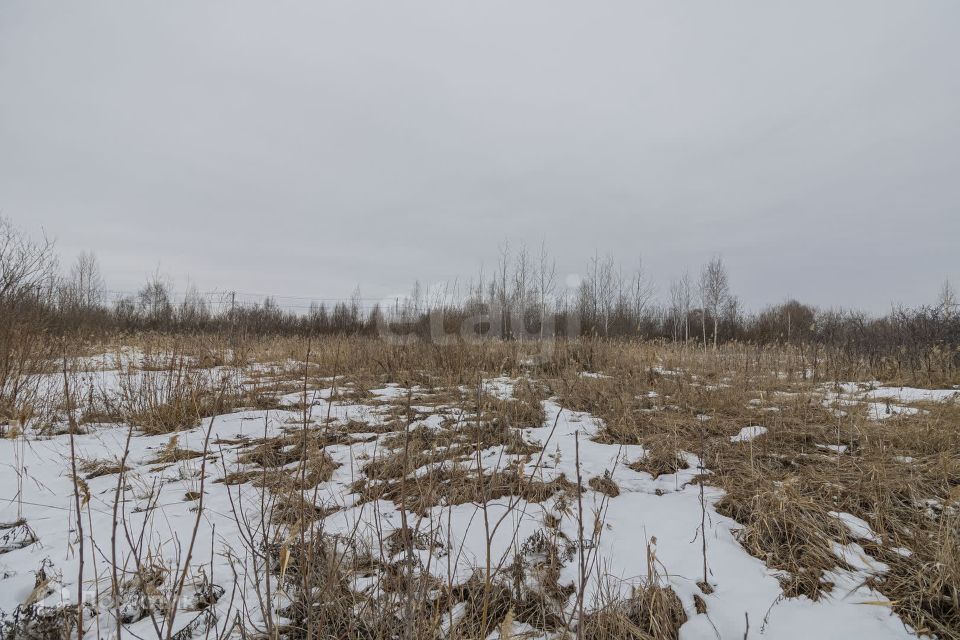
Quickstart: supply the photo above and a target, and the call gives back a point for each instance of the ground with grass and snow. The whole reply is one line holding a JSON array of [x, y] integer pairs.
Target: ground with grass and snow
[[215, 513]]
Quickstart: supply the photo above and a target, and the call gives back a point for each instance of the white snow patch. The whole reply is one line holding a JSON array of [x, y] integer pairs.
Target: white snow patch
[[748, 433], [883, 410], [857, 527], [836, 448], [593, 374], [912, 394]]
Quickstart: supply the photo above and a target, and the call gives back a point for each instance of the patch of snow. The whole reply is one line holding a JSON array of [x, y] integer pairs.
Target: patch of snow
[[855, 556], [857, 527], [748, 433], [883, 410], [594, 375], [390, 392], [912, 394], [668, 372], [836, 448]]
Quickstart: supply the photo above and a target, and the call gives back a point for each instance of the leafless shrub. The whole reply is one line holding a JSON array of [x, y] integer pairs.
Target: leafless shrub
[[175, 396], [26, 344]]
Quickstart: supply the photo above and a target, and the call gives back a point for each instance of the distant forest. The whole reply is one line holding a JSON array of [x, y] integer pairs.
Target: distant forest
[[520, 300]]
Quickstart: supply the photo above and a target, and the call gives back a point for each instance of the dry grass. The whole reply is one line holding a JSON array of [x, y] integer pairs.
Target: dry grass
[[174, 398], [901, 475], [291, 462], [652, 613], [95, 468], [790, 530], [410, 603], [172, 454], [455, 486], [660, 461], [604, 484]]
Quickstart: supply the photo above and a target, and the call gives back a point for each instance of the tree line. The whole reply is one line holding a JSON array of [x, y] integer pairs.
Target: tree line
[[520, 300]]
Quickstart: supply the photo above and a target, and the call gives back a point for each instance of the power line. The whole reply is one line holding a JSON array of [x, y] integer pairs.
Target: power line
[[131, 292]]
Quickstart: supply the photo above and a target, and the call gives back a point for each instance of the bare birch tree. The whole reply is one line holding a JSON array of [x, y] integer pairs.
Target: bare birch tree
[[500, 286], [641, 293], [520, 296], [686, 297], [676, 308], [546, 282], [714, 292]]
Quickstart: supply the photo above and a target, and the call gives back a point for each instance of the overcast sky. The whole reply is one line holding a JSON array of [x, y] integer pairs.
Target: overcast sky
[[305, 148]]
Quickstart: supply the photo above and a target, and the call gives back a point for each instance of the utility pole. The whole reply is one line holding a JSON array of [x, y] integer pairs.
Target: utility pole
[[233, 318]]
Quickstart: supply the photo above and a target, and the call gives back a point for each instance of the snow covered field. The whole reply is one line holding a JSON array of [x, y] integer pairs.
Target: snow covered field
[[199, 519]]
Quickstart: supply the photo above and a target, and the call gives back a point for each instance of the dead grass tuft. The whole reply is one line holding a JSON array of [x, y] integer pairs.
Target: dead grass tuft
[[604, 484], [95, 467], [653, 612], [172, 453], [659, 461]]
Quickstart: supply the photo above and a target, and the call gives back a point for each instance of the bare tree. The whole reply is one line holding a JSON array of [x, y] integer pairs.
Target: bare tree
[[520, 296], [587, 295], [153, 300], [86, 283], [599, 293], [415, 303], [641, 292], [714, 292], [686, 298], [194, 309], [546, 282], [947, 299], [26, 266], [730, 312], [676, 308], [606, 287], [499, 288]]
